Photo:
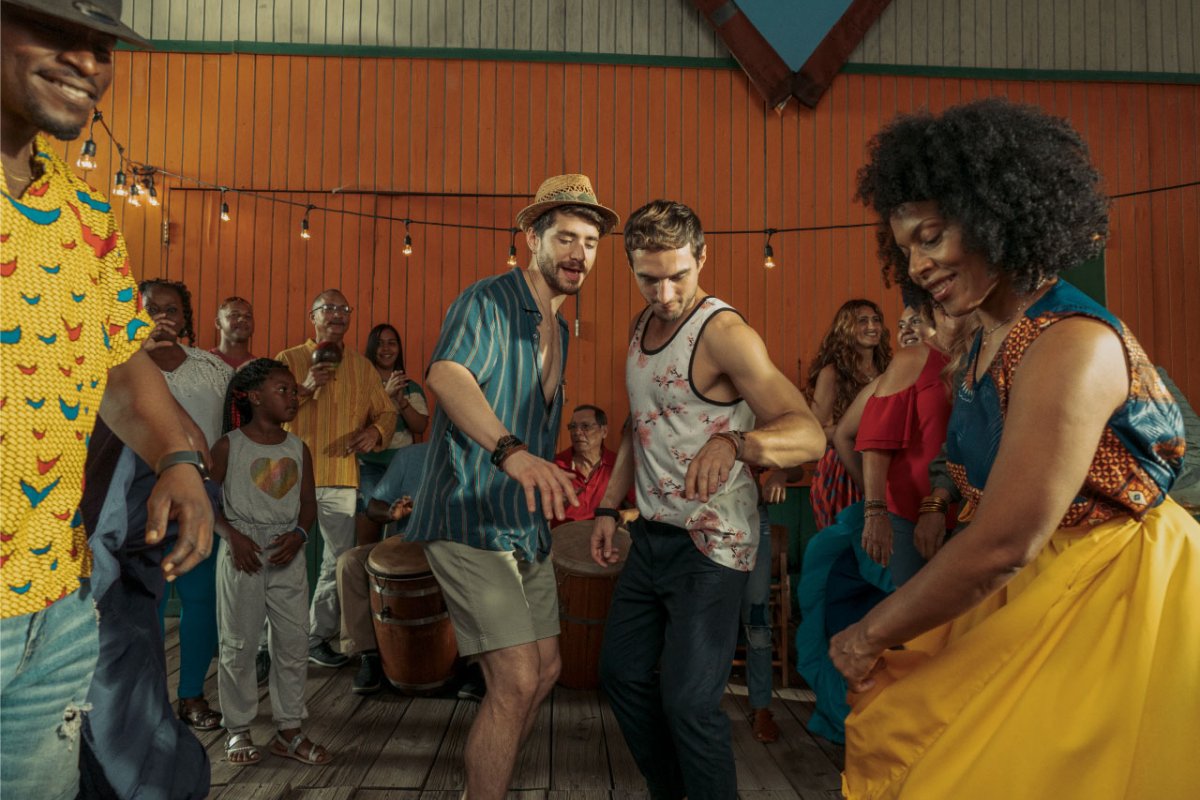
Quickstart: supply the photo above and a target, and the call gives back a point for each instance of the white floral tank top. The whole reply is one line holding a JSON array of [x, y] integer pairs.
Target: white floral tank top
[[671, 422]]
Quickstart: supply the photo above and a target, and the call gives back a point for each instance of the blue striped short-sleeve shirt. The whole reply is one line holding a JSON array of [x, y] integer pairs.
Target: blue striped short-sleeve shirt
[[492, 330]]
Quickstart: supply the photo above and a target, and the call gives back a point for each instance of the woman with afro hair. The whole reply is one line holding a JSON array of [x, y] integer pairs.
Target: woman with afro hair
[[1050, 649]]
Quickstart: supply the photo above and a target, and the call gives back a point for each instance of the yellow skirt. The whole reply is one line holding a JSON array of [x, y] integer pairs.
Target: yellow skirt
[[1079, 679]]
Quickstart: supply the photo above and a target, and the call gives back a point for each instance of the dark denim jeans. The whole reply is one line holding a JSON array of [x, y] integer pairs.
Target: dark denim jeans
[[668, 649]]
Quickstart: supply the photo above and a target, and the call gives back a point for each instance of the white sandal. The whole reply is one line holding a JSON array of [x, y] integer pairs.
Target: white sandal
[[241, 743]]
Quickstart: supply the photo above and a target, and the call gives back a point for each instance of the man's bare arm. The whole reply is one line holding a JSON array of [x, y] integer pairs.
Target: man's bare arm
[[139, 408]]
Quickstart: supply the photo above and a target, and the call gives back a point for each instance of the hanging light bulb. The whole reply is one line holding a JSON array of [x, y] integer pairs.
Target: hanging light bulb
[[87, 155], [224, 208], [151, 193], [408, 248], [304, 234], [512, 248], [134, 192], [119, 186], [768, 251]]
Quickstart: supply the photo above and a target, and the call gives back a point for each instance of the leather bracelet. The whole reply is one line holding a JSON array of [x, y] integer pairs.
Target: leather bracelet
[[735, 438], [516, 448], [504, 448], [192, 457], [611, 513]]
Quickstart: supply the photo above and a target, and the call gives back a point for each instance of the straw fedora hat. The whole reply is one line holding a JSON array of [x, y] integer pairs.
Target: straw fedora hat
[[99, 15], [565, 190]]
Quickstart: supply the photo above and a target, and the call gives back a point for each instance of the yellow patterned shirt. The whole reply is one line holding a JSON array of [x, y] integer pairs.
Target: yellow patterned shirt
[[70, 312]]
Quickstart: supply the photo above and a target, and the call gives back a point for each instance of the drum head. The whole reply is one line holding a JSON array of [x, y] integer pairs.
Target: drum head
[[571, 548], [397, 557]]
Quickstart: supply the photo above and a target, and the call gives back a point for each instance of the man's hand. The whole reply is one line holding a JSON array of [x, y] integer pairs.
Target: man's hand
[[539, 476], [285, 547], [179, 495], [318, 376], [364, 441], [774, 488], [877, 538], [603, 552], [400, 509], [930, 533], [709, 469], [244, 551]]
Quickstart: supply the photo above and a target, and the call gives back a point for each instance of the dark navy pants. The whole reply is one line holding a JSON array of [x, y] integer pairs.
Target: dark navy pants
[[668, 648]]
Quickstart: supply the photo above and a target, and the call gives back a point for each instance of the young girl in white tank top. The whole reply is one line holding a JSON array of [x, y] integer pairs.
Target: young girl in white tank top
[[269, 504]]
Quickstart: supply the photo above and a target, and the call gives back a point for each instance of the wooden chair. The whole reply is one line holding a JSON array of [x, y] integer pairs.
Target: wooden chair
[[779, 606]]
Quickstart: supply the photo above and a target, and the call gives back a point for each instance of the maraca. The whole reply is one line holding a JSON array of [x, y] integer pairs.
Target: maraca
[[327, 353]]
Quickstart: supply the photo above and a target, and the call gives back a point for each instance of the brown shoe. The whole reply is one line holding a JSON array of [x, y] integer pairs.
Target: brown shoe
[[765, 729]]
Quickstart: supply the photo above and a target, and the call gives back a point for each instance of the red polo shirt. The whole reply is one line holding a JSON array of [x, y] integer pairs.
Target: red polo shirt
[[588, 488]]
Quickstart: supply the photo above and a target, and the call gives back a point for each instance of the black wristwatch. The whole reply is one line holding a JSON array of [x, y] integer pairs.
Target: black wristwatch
[[192, 457]]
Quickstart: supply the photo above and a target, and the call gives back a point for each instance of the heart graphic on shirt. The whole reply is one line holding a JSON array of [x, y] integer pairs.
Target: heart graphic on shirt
[[275, 477]]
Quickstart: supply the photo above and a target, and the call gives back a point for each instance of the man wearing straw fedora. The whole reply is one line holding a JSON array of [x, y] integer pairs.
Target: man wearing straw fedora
[[71, 332], [490, 483]]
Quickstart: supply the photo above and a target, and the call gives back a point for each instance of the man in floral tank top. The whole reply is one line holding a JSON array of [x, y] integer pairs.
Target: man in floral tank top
[[706, 402]]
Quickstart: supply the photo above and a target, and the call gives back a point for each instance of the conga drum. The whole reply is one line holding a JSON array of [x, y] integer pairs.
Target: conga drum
[[412, 626], [585, 591]]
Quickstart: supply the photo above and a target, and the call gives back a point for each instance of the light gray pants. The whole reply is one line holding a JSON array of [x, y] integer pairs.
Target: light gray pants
[[335, 513], [244, 600]]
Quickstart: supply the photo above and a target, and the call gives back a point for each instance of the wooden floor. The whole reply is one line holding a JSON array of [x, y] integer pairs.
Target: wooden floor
[[392, 747]]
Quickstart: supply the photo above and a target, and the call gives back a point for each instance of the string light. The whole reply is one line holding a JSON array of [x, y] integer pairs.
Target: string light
[[768, 252], [408, 248], [119, 186], [224, 207], [304, 234], [151, 194], [512, 249], [87, 156], [134, 191]]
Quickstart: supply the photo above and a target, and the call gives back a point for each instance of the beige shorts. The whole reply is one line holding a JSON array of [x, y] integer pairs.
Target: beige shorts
[[496, 599]]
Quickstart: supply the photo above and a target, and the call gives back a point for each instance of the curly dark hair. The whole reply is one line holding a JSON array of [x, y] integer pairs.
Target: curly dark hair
[[185, 298], [238, 410], [1016, 179]]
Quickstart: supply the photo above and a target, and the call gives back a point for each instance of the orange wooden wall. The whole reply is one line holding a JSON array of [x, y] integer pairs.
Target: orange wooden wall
[[300, 126]]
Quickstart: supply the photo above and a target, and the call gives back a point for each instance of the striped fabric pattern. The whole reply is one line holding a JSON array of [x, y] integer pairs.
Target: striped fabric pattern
[[344, 405], [492, 330]]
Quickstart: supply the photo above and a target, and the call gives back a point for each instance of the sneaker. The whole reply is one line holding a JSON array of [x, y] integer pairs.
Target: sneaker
[[262, 666], [765, 729], [324, 656], [472, 690], [368, 678]]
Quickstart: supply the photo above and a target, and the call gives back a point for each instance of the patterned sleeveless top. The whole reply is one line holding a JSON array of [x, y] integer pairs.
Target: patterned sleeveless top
[[671, 422], [262, 482], [1139, 455]]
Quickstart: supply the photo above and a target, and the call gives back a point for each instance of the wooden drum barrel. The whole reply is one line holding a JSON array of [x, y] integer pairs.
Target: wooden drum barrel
[[412, 627], [585, 591]]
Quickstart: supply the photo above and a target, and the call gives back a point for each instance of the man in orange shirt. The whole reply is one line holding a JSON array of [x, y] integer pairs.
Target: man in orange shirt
[[343, 412]]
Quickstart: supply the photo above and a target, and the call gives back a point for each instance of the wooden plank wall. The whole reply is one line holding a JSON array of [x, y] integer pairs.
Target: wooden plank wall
[[1122, 35], [301, 126], [647, 27]]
